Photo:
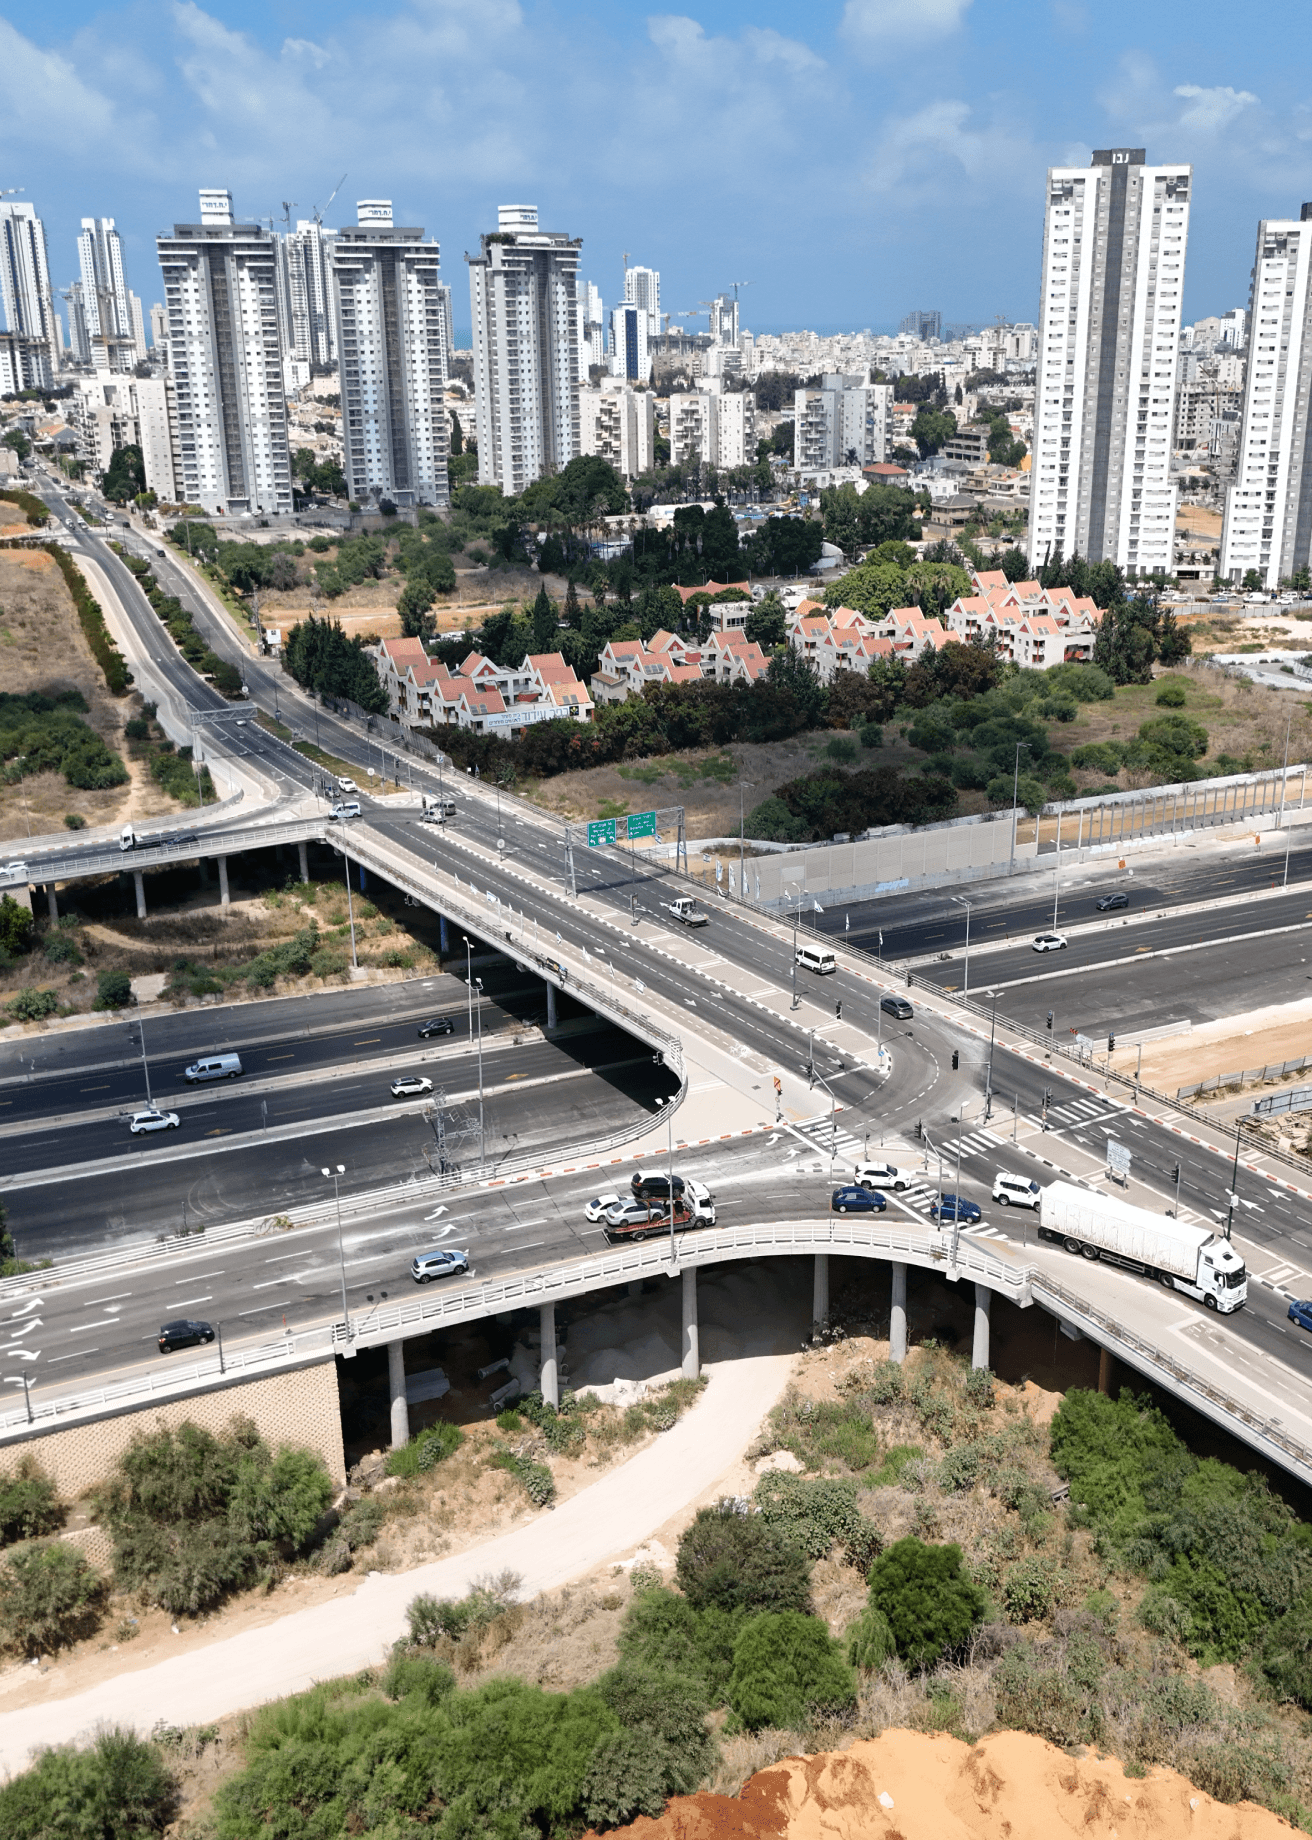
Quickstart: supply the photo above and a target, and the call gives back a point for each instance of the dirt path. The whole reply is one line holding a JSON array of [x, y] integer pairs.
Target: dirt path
[[606, 1521]]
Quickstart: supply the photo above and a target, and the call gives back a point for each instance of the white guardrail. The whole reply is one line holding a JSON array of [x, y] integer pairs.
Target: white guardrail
[[651, 1258], [222, 843]]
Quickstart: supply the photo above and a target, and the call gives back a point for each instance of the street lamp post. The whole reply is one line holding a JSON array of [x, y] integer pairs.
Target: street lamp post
[[334, 1175], [476, 983], [1015, 808], [742, 876], [350, 904], [961, 901], [988, 1081], [13, 1380], [1234, 1181], [145, 1065]]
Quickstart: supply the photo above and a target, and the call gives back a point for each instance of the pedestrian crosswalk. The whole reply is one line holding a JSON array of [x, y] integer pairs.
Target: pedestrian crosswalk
[[1083, 1111], [922, 1195]]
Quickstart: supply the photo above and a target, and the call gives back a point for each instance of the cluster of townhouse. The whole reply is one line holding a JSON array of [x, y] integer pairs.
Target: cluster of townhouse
[[627, 666], [1032, 626], [485, 697]]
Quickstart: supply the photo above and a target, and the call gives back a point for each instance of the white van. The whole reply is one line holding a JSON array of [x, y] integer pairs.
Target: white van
[[214, 1067], [816, 958]]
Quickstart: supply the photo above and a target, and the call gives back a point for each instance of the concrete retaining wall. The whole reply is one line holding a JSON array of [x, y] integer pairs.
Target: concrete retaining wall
[[299, 1406]]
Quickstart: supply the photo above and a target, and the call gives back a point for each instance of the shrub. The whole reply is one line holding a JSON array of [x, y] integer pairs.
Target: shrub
[[33, 1005], [28, 1503], [1028, 1590], [818, 1515], [118, 678], [665, 1635], [1045, 1701], [870, 1641], [61, 950], [930, 1607], [193, 1515], [740, 1562], [787, 1669], [426, 1449], [536, 1479], [1170, 695], [1286, 1654], [420, 1676], [887, 1384], [74, 821], [113, 990], [115, 1788], [49, 1597], [844, 748], [626, 1778]]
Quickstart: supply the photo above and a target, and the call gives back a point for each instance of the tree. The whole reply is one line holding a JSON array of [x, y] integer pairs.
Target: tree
[[767, 623], [929, 1606], [931, 428], [113, 990], [19, 442], [125, 475], [737, 1561], [787, 1669], [457, 437], [544, 622], [872, 588], [413, 604], [15, 925]]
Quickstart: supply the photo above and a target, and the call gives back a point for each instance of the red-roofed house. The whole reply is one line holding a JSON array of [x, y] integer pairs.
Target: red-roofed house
[[731, 658]]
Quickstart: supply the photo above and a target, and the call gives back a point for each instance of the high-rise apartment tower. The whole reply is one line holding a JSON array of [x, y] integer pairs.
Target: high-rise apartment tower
[[1109, 329], [391, 346], [225, 357], [25, 277], [642, 288], [523, 296], [111, 335], [1268, 511]]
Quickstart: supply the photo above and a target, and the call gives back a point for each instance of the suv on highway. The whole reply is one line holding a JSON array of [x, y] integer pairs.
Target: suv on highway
[[1015, 1191], [440, 1025], [411, 1086], [448, 1262], [881, 1175], [1109, 901], [1049, 942], [653, 1187], [184, 1333]]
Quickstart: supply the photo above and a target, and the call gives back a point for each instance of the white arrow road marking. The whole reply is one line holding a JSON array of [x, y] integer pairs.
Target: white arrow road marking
[[436, 1211], [25, 1309]]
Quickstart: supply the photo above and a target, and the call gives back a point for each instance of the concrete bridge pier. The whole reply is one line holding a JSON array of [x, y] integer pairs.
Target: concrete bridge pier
[[551, 1004], [820, 1292], [396, 1389], [979, 1354], [364, 880], [550, 1370], [52, 904], [224, 899], [897, 1322], [140, 886], [303, 848], [441, 921], [692, 1355]]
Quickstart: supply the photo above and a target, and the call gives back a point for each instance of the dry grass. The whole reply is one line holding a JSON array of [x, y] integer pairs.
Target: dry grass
[[42, 648]]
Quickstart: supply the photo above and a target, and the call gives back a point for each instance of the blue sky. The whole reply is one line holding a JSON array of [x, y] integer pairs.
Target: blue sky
[[851, 159]]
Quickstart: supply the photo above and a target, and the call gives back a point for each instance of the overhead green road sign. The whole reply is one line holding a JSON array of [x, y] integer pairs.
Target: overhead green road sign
[[601, 831], [642, 824]]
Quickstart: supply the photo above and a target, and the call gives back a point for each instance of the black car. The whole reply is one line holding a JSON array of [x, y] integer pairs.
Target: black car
[[183, 1334], [440, 1025], [1111, 900], [897, 1006], [655, 1187]]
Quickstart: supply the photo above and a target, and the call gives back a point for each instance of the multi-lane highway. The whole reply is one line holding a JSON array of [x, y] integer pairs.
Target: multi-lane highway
[[517, 857]]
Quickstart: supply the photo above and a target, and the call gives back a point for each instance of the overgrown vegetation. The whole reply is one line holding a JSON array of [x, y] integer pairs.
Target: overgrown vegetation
[[44, 734], [118, 679], [181, 628], [193, 1516]]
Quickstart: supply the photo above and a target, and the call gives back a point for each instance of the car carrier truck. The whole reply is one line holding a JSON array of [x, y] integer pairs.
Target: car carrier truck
[[1194, 1260]]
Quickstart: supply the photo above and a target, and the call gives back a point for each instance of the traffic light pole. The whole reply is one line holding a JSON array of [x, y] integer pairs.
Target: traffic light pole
[[1176, 1214]]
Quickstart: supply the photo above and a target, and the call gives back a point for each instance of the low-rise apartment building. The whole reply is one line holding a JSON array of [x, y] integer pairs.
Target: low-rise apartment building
[[482, 696]]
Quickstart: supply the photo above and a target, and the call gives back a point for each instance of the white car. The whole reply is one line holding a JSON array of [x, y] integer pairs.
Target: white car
[[153, 1120], [13, 869], [1015, 1191], [1049, 942], [347, 785], [411, 1086], [881, 1175], [601, 1205]]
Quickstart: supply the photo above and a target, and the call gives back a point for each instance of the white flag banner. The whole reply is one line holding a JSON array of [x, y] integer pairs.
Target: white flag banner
[[733, 887]]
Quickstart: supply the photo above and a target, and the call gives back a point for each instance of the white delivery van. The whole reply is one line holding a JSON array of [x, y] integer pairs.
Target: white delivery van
[[816, 958], [214, 1067]]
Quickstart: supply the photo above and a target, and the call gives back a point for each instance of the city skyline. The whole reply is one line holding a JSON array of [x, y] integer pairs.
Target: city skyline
[[926, 117]]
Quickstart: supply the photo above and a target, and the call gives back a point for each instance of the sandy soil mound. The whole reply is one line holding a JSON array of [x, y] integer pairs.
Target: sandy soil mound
[[907, 1786]]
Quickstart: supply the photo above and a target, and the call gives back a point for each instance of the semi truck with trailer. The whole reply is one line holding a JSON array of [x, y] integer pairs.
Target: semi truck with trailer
[[1194, 1260]]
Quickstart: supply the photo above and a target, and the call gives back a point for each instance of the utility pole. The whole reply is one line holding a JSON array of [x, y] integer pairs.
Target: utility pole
[[961, 901], [334, 1175], [1234, 1182]]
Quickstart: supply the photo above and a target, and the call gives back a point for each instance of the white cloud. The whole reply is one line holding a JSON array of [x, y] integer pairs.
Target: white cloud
[[929, 152], [874, 28], [44, 102], [1212, 109]]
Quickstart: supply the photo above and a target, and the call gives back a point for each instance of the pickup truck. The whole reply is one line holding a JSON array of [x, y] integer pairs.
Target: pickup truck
[[686, 910]]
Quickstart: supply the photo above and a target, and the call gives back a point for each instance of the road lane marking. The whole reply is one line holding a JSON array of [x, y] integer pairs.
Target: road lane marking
[[202, 1275], [77, 1354], [104, 1323], [182, 1302], [100, 1302], [104, 1088], [259, 1309], [370, 1043], [279, 1057]]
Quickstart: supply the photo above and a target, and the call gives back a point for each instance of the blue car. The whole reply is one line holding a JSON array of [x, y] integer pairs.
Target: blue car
[[857, 1201], [956, 1207], [1301, 1313]]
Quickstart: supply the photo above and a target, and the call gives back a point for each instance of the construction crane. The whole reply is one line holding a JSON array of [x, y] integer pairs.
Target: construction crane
[[287, 205], [735, 285], [318, 214]]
